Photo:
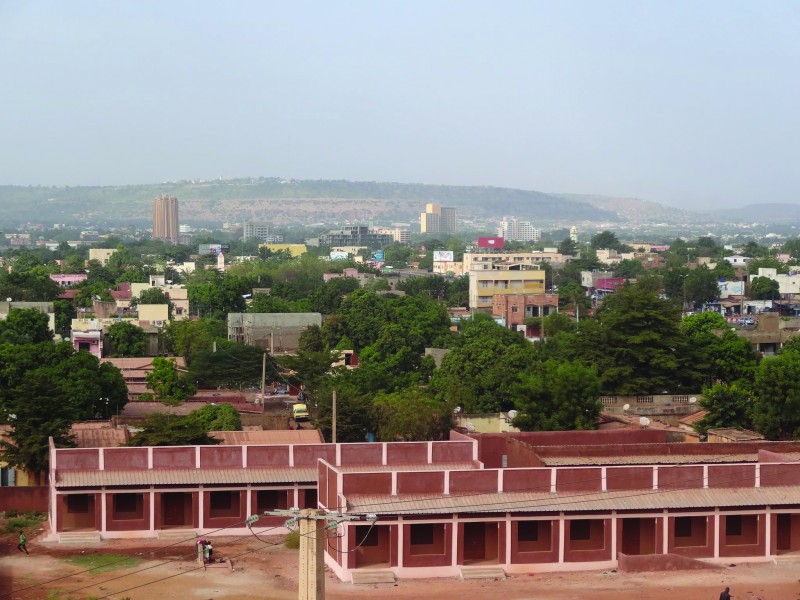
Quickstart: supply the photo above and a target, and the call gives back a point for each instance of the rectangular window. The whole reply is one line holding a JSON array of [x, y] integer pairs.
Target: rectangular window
[[580, 529], [310, 498], [683, 527], [274, 500], [127, 506], [528, 531], [733, 524], [421, 535], [223, 504]]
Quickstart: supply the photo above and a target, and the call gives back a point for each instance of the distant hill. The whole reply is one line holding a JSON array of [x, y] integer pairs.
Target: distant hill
[[281, 200], [635, 210], [759, 213]]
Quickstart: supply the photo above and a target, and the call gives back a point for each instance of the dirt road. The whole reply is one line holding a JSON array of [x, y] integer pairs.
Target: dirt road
[[270, 572]]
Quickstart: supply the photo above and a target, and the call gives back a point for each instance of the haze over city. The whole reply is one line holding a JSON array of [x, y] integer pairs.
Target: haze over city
[[692, 105]]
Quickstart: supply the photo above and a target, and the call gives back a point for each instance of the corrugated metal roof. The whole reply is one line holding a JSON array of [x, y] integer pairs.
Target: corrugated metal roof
[[276, 436], [582, 502], [146, 477], [408, 467], [693, 418], [563, 461]]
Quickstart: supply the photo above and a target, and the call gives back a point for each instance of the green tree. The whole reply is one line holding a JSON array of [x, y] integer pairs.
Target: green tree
[[558, 397], [605, 239], [328, 298], [628, 269], [567, 247], [232, 366], [763, 288], [475, 373], [728, 405], [767, 262], [412, 415], [218, 417], [127, 339], [172, 430], [701, 286], [168, 384], [189, 337], [25, 326], [705, 322], [573, 297], [64, 313], [776, 397], [355, 412]]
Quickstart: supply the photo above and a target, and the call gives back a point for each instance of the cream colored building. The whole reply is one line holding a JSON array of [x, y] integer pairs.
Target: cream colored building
[[450, 267], [101, 255], [153, 313], [503, 278], [483, 261], [437, 219], [294, 249]]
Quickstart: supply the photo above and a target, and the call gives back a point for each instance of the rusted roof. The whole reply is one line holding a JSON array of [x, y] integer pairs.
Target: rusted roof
[[91, 437], [244, 438], [582, 502], [146, 477], [736, 435], [693, 418]]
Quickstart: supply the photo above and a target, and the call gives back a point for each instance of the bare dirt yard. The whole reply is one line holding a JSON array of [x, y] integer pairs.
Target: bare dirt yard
[[267, 570]]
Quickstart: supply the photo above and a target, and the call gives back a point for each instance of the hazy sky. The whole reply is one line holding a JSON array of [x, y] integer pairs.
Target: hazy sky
[[695, 104]]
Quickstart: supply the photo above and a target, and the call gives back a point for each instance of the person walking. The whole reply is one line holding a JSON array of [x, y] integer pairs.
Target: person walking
[[23, 543], [726, 594]]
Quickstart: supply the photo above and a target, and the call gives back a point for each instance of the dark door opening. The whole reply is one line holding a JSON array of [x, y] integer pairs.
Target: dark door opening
[[638, 536], [480, 543], [176, 510]]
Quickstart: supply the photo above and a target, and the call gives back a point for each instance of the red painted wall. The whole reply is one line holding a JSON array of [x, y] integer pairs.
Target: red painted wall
[[124, 459], [579, 480], [629, 478], [571, 554], [772, 474], [362, 454], [420, 482], [728, 545], [544, 556], [34, 497], [78, 459], [221, 457], [228, 521], [452, 452], [268, 456], [677, 478], [308, 454], [527, 480], [127, 524], [366, 483], [178, 457], [725, 476], [701, 551], [428, 560], [410, 452], [463, 482]]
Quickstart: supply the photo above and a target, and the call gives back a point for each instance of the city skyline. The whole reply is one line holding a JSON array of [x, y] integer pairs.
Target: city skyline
[[692, 107]]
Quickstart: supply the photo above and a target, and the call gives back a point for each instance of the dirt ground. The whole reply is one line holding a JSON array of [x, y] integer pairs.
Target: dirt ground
[[263, 571]]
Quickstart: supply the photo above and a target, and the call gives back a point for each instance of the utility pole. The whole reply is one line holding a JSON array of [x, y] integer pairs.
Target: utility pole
[[313, 523], [263, 374], [333, 418]]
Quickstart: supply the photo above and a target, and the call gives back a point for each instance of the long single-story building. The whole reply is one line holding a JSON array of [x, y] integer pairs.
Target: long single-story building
[[511, 502]]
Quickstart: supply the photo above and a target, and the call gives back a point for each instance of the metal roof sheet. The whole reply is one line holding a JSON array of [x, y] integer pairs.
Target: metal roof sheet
[[146, 477], [580, 502], [664, 459], [408, 467]]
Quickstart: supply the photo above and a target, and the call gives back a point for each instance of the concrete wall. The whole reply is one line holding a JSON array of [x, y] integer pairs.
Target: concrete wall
[[24, 498]]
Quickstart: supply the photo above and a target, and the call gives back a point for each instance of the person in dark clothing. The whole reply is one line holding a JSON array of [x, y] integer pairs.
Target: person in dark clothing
[[726, 594]]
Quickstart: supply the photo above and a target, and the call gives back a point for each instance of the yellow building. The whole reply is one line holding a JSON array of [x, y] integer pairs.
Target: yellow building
[[503, 278], [294, 249]]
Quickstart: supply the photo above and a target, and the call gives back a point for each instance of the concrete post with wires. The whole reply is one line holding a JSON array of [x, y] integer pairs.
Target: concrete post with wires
[[312, 562]]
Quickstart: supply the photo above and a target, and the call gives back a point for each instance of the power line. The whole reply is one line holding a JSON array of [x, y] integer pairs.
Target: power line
[[105, 565]]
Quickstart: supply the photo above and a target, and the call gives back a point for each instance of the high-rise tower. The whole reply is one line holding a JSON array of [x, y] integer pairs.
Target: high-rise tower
[[165, 219]]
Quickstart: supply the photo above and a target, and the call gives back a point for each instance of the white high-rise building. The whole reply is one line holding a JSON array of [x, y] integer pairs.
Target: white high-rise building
[[516, 230]]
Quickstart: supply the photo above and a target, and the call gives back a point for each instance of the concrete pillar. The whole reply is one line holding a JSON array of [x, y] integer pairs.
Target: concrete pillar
[[312, 562], [561, 537], [716, 532]]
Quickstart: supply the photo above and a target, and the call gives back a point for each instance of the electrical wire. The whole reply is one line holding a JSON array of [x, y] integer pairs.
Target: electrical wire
[[106, 565], [363, 541], [160, 564]]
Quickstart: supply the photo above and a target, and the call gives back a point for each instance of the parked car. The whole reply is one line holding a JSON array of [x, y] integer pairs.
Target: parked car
[[300, 412], [747, 321]]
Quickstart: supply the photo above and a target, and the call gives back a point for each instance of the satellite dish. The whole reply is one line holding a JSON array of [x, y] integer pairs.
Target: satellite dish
[[8, 299], [512, 414], [626, 407], [692, 400], [470, 427], [457, 409], [644, 421]]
